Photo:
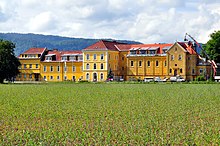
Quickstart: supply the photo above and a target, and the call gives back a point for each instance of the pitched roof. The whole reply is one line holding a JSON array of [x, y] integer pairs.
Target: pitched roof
[[59, 54], [103, 45], [35, 51], [188, 47], [160, 47]]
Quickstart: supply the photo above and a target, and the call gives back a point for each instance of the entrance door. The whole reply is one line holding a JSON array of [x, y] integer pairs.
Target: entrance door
[[94, 77], [175, 72], [74, 78], [36, 76]]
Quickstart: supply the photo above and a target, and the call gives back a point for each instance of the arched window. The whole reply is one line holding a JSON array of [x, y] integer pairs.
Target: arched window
[[87, 66], [101, 76], [94, 66], [87, 76]]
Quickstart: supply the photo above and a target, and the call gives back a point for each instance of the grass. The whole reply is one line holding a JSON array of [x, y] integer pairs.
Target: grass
[[110, 114]]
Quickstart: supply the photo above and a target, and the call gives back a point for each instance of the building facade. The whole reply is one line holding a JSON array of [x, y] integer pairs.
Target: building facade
[[123, 61]]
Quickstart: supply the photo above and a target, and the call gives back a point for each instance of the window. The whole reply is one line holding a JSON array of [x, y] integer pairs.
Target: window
[[58, 77], [25, 66], [45, 78], [87, 66], [65, 77], [102, 66], [81, 68], [181, 70], [180, 57], [176, 49], [175, 64], [94, 56], [140, 63], [87, 56], [94, 66], [165, 63], [72, 58], [25, 76], [200, 70], [157, 63], [172, 57], [132, 63], [148, 63], [80, 58], [74, 78], [193, 71], [74, 68], [30, 76], [102, 56], [170, 70], [65, 69], [51, 68], [87, 76], [122, 58], [51, 77], [45, 68], [189, 58], [102, 76], [58, 68], [37, 66], [19, 75], [48, 58], [64, 58], [30, 65]]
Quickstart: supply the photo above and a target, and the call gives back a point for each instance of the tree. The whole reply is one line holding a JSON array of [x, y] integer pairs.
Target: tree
[[110, 74], [212, 47], [9, 63]]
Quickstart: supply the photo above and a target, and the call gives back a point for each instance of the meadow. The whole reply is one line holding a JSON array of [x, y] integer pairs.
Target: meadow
[[109, 114]]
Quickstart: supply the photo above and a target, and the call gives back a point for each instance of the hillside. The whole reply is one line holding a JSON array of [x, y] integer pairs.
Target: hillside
[[26, 41]]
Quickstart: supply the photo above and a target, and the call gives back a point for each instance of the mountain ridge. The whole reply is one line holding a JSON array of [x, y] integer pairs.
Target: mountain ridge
[[31, 40]]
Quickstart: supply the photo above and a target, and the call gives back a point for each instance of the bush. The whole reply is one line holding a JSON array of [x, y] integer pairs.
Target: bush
[[200, 78]]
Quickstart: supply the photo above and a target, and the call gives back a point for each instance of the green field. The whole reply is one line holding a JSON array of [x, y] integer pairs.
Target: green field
[[110, 114]]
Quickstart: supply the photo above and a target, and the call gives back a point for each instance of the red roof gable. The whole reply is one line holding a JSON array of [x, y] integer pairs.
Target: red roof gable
[[103, 45], [35, 51], [188, 47]]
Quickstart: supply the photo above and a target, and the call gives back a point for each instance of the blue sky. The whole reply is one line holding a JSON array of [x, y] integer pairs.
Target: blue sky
[[148, 21]]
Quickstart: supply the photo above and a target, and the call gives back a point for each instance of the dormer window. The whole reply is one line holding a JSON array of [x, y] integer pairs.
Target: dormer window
[[153, 50], [48, 58], [64, 58], [72, 58]]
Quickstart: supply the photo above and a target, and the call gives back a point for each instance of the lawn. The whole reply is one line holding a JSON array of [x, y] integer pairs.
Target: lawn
[[110, 114]]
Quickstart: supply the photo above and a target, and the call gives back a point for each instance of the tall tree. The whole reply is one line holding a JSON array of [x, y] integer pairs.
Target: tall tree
[[212, 47], [9, 63]]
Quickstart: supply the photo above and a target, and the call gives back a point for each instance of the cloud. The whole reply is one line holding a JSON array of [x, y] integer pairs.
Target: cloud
[[148, 21]]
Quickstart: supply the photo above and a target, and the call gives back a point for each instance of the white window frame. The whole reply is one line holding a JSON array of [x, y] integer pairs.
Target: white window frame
[[87, 76], [102, 56], [51, 68], [94, 56], [45, 68], [74, 68], [87, 56]]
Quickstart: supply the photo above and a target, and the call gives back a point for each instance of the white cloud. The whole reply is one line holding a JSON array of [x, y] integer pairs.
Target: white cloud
[[148, 21]]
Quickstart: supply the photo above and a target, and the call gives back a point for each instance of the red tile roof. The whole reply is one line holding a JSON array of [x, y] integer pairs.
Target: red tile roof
[[187, 47], [103, 45], [59, 54], [144, 46], [35, 51]]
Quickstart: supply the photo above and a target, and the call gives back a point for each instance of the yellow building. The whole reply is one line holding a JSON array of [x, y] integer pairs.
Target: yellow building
[[124, 61], [62, 66], [99, 59], [31, 64]]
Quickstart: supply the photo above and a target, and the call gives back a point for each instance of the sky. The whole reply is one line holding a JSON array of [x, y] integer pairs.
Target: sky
[[147, 21]]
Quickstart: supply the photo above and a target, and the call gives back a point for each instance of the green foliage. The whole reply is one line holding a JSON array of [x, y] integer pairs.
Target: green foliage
[[26, 41], [110, 74], [8, 62], [200, 78], [212, 47], [109, 114]]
